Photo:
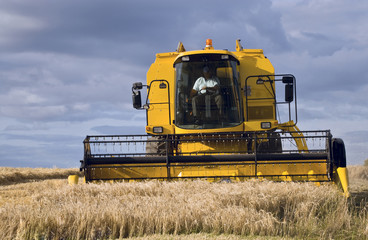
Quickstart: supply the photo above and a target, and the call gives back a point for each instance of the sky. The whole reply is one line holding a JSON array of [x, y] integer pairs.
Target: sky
[[67, 67]]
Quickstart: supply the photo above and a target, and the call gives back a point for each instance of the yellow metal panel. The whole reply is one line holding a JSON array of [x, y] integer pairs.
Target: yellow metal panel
[[237, 171], [73, 179], [161, 69], [284, 170], [158, 115], [343, 180], [238, 128], [158, 95], [127, 171], [186, 147]]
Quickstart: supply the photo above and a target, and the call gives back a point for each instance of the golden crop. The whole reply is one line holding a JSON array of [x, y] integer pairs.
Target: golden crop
[[36, 205]]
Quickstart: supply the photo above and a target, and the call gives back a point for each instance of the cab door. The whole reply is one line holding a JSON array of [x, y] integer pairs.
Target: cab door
[[158, 111]]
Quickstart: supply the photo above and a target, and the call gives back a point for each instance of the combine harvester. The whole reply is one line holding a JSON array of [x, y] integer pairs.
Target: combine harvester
[[214, 114]]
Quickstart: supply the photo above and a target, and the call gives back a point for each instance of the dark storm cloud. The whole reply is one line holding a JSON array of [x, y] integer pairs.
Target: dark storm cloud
[[114, 28], [87, 28]]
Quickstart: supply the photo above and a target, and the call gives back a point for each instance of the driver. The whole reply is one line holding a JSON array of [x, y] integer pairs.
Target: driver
[[206, 87]]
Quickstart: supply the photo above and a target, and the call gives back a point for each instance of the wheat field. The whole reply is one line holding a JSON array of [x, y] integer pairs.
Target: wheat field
[[39, 204]]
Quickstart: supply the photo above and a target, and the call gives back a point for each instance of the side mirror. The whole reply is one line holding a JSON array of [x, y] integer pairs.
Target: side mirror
[[137, 86], [289, 93], [289, 88], [287, 80], [137, 100]]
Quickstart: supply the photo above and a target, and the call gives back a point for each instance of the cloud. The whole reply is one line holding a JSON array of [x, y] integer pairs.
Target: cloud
[[119, 130], [107, 30], [323, 27], [34, 112], [11, 24], [21, 96], [67, 67], [40, 86]]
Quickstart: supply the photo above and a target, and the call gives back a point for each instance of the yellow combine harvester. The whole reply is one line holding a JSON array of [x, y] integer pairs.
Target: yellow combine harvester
[[214, 114]]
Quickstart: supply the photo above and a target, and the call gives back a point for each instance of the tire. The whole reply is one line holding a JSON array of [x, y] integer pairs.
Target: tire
[[338, 153]]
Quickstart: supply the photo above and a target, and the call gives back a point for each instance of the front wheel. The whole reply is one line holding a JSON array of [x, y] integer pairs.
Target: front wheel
[[338, 153]]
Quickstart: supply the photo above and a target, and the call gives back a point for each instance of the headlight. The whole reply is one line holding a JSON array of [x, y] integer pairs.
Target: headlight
[[265, 125], [158, 129]]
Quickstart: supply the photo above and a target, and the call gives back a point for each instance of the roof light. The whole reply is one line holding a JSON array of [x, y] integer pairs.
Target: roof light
[[208, 43]]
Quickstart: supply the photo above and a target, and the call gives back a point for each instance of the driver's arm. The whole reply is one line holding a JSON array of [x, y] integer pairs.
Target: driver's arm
[[195, 89], [192, 93], [215, 88]]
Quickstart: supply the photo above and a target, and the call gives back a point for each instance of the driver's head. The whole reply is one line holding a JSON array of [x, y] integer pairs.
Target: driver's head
[[206, 72]]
